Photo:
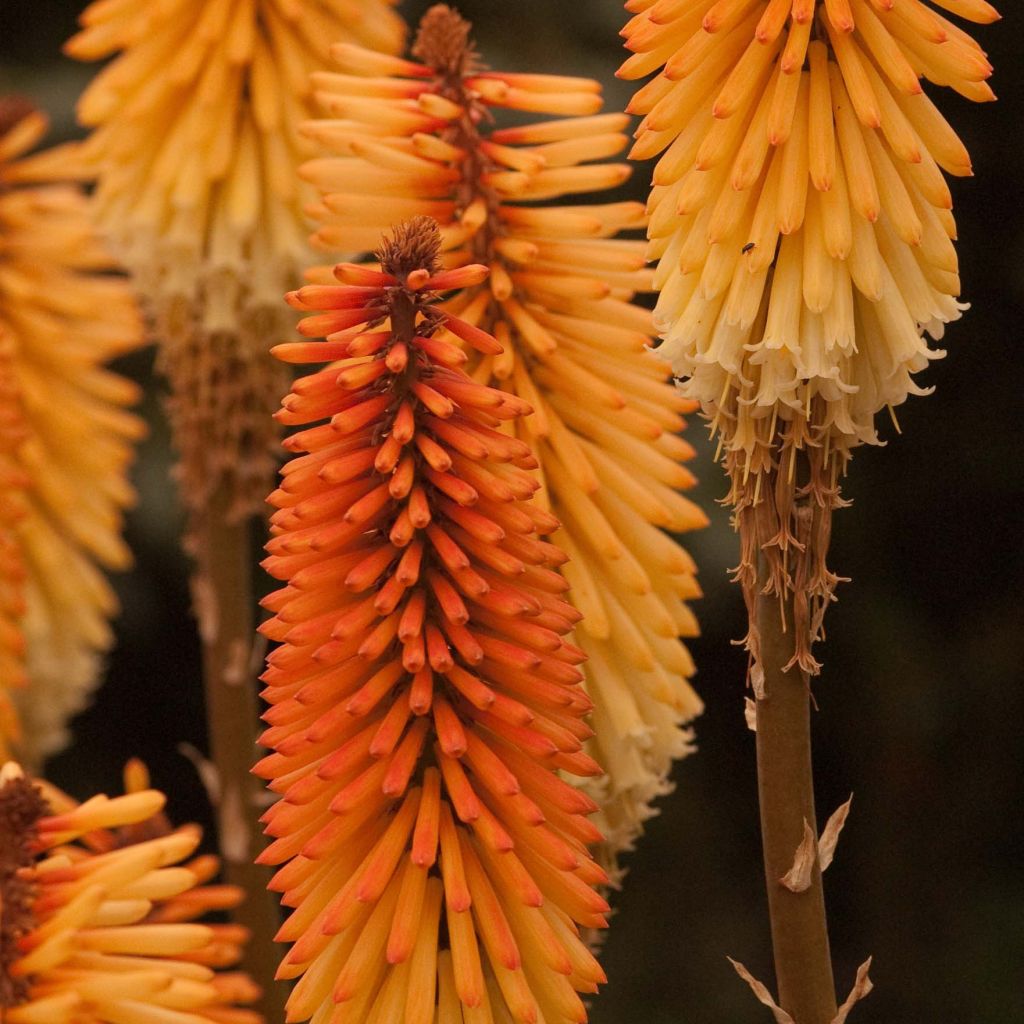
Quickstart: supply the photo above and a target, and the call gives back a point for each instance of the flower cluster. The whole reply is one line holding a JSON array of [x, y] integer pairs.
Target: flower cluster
[[66, 437], [417, 137], [194, 150], [99, 905], [802, 225], [424, 698]]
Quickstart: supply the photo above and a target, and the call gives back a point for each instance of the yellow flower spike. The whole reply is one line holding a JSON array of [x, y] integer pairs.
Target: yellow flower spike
[[66, 438], [193, 149], [802, 224], [417, 138], [102, 937]]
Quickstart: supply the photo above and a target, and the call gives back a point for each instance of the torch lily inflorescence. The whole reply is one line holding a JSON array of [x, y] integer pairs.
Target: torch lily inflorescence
[[424, 698], [417, 137], [194, 150], [804, 236], [67, 437], [99, 905]]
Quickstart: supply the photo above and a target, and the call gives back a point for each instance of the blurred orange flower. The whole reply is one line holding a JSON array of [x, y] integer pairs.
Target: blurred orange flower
[[66, 439], [194, 149], [98, 908]]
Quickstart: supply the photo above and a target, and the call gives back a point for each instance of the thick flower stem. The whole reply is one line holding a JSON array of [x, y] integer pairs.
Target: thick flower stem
[[803, 965], [224, 606]]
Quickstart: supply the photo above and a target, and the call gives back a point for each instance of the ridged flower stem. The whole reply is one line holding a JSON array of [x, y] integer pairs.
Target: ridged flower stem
[[803, 965], [224, 602]]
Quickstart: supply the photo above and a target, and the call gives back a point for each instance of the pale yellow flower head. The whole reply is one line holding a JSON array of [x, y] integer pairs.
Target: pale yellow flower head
[[433, 136], [803, 231], [66, 437], [194, 150]]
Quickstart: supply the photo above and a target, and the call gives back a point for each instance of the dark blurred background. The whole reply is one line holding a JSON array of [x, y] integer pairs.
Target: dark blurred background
[[922, 694]]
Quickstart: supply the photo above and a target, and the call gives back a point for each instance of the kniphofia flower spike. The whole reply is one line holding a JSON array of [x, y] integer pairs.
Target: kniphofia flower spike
[[418, 137], [424, 699], [804, 235], [194, 150], [99, 905], [66, 437]]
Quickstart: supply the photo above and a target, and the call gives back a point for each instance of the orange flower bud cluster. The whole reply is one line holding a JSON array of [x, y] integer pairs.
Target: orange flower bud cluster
[[424, 136], [424, 699], [99, 906]]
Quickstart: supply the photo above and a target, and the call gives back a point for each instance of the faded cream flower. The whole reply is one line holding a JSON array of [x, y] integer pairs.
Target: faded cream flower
[[803, 230], [194, 150], [67, 437], [417, 137]]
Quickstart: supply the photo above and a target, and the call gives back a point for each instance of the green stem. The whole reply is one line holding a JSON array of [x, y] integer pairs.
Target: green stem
[[224, 604], [803, 965]]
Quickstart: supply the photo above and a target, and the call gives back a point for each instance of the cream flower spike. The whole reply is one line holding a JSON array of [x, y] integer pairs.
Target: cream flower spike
[[194, 151], [99, 901], [804, 232], [416, 137], [66, 438]]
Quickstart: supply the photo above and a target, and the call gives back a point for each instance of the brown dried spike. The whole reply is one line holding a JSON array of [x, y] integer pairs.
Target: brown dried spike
[[442, 41], [21, 807], [413, 245], [224, 431]]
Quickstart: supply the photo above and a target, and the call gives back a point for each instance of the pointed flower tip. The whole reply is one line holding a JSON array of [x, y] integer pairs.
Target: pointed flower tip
[[443, 41]]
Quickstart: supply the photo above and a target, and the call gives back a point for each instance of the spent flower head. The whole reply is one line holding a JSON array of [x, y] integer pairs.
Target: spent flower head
[[803, 230]]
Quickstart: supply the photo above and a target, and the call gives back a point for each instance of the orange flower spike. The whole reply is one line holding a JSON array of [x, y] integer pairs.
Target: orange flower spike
[[65, 429], [392, 762], [554, 319]]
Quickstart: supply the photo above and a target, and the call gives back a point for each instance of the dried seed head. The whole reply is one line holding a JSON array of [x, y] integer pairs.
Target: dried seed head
[[443, 41], [413, 245]]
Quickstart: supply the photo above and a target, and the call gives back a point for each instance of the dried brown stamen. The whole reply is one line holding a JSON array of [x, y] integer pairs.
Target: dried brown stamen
[[21, 807], [413, 245], [443, 42]]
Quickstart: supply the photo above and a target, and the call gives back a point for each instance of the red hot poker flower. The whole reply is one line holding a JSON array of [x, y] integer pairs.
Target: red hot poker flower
[[424, 697]]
